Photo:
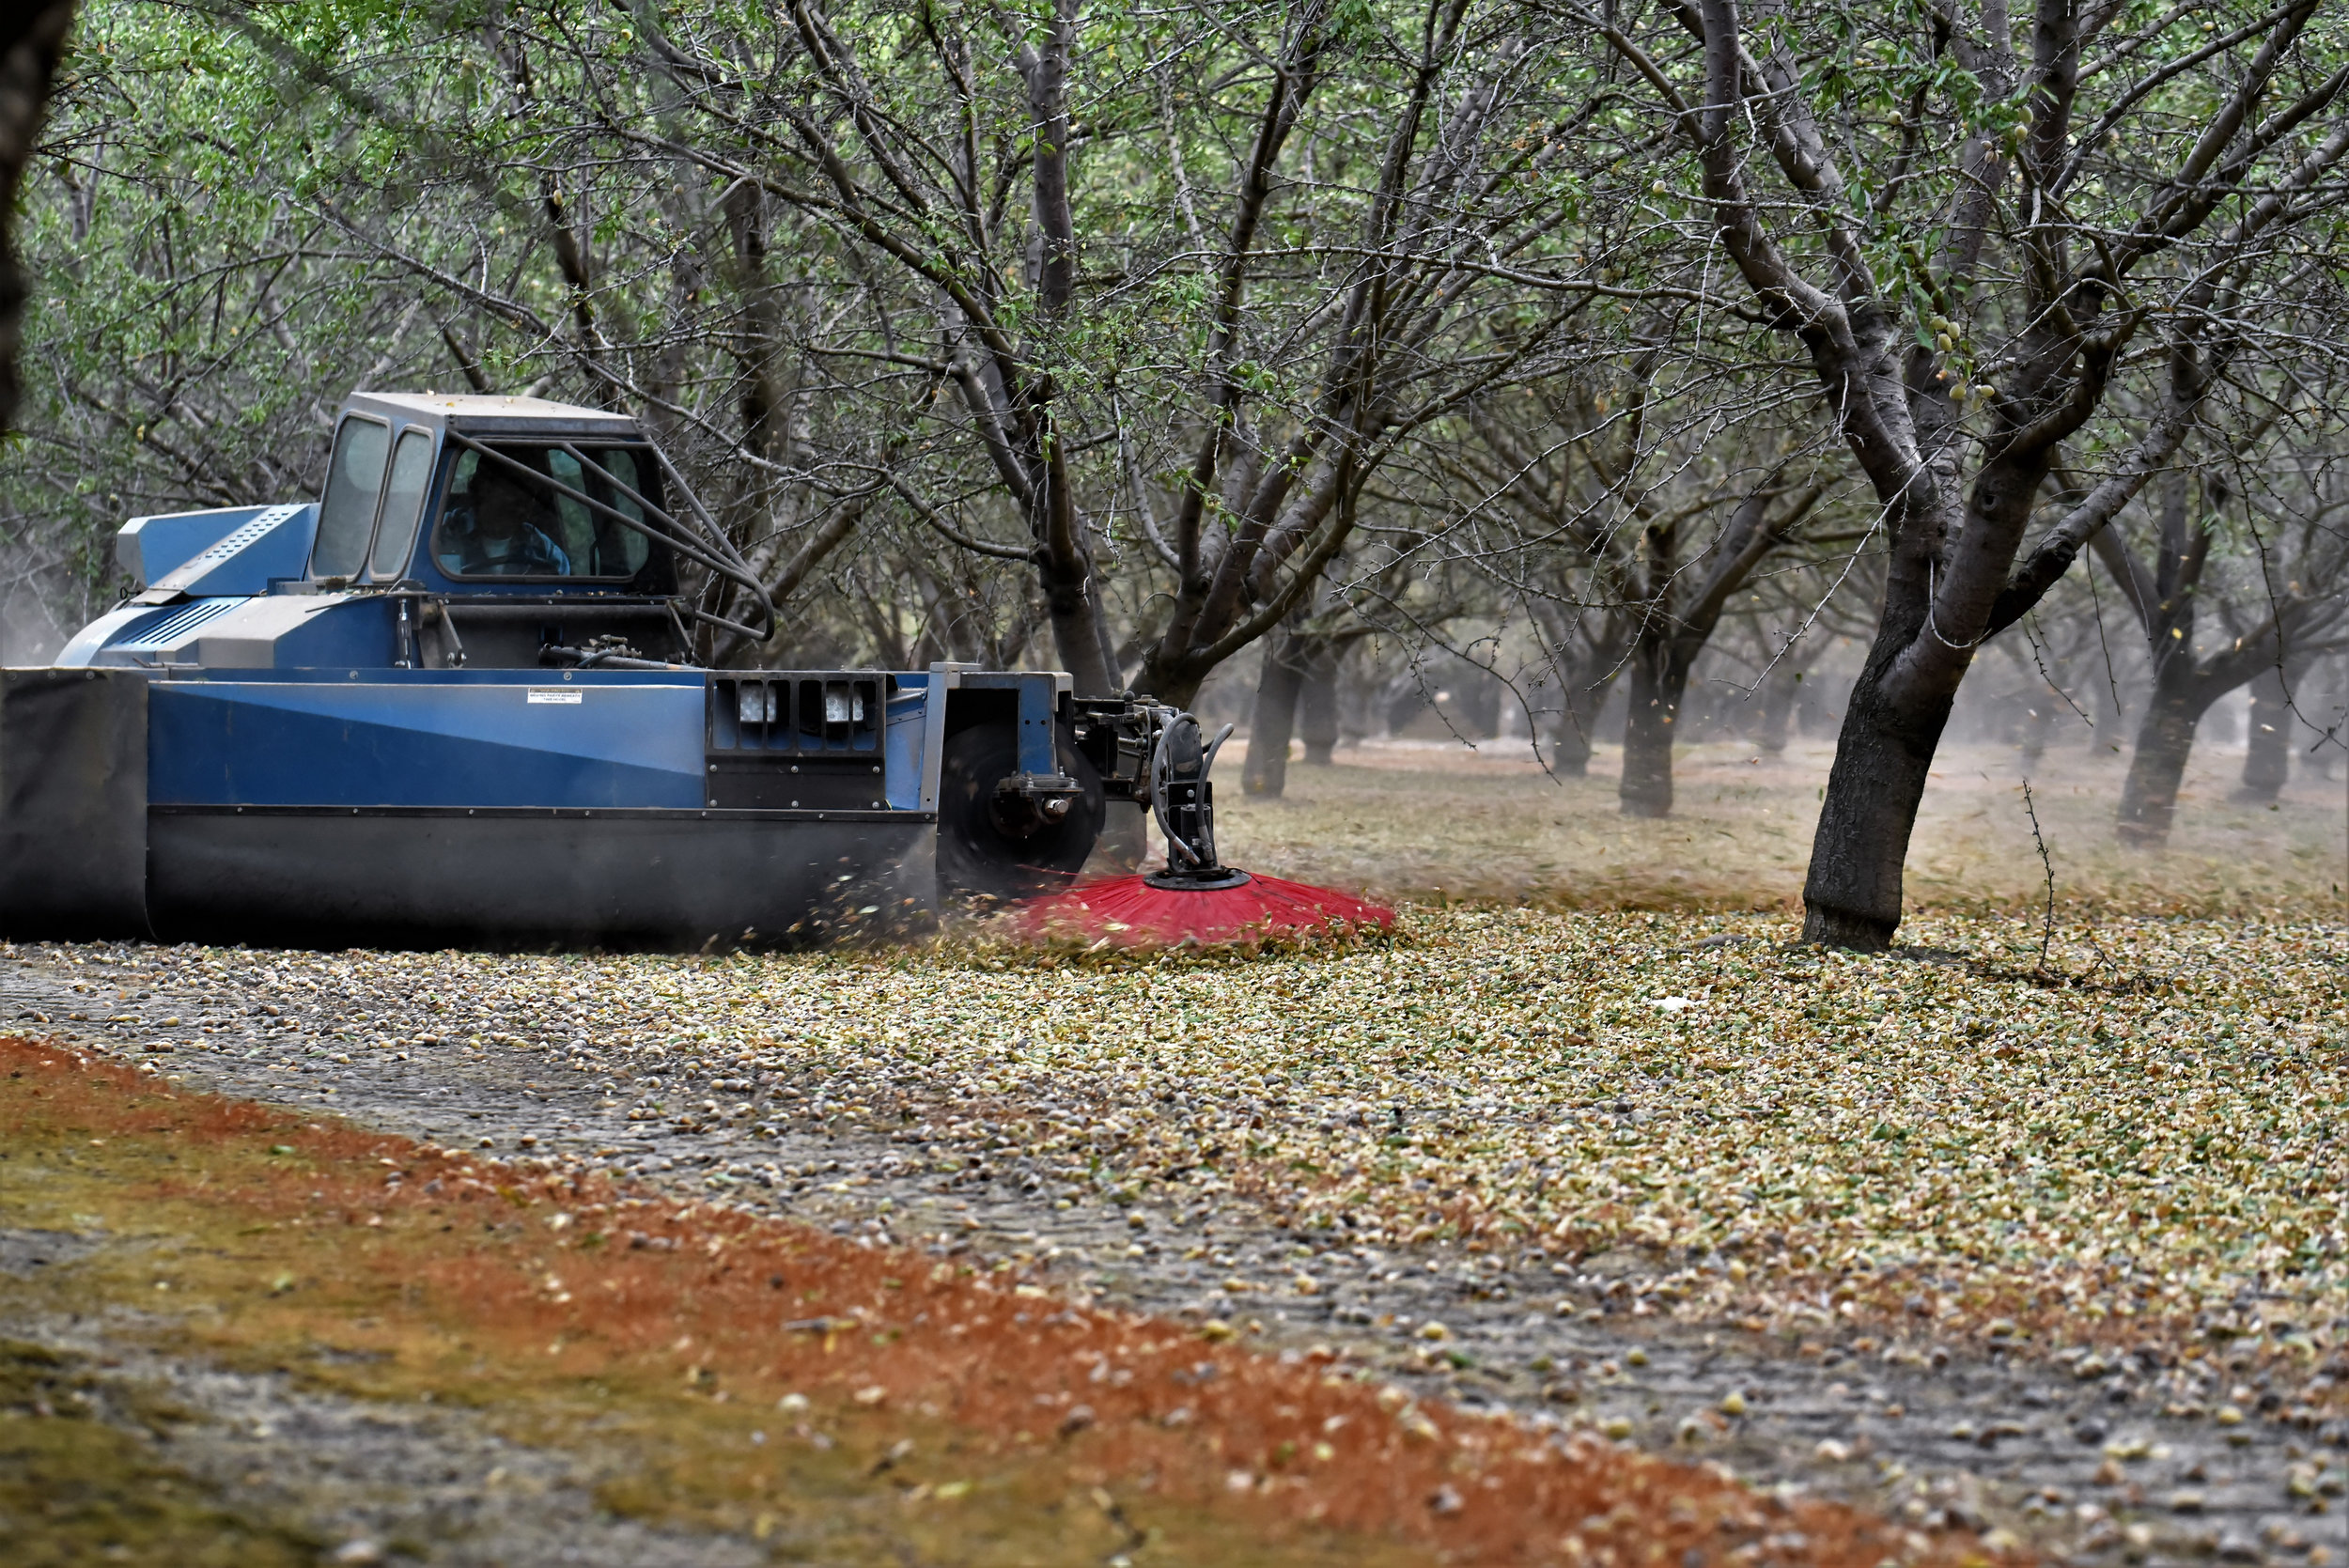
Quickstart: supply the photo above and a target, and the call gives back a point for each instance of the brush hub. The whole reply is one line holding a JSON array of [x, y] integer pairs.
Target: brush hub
[[1208, 879]]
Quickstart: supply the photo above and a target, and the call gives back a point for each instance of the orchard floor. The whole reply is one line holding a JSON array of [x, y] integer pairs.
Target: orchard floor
[[2041, 1255], [1408, 818]]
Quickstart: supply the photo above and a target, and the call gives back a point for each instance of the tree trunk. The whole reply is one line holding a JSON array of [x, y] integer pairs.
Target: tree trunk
[[1570, 744], [1071, 594], [1570, 748], [2267, 759], [1075, 614], [2322, 702], [32, 41], [2165, 740], [1176, 689], [1852, 897], [1659, 678], [2039, 722], [1582, 694], [1317, 703], [1777, 709], [1274, 718]]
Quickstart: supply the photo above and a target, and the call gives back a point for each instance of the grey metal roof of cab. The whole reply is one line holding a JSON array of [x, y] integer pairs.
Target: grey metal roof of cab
[[478, 416]]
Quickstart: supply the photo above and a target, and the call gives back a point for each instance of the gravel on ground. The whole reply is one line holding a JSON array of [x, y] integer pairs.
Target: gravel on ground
[[2056, 1249], [920, 1408], [356, 1481]]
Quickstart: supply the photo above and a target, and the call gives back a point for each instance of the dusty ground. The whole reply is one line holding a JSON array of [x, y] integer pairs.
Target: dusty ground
[[243, 1331], [2056, 1252], [1409, 818]]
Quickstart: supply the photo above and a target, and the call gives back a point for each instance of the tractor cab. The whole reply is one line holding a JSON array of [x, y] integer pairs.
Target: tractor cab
[[528, 534], [474, 495], [454, 533]]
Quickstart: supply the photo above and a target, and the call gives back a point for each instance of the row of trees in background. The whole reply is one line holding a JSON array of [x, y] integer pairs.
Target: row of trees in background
[[1573, 343], [2074, 693]]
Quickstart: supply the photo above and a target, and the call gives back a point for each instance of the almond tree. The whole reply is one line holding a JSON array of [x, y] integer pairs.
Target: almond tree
[[1311, 337], [32, 41], [1546, 475], [1972, 223], [2288, 560], [1016, 252], [2273, 725], [1625, 516], [1678, 603]]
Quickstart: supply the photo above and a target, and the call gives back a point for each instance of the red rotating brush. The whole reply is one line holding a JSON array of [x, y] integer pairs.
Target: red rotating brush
[[1196, 899]]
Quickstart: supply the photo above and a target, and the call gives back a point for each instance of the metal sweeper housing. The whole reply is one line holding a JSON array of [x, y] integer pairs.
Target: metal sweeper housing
[[456, 702]]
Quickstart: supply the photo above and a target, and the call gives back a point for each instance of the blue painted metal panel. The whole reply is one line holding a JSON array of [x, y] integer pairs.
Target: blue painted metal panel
[[349, 632], [1038, 755], [102, 633], [489, 674], [272, 544], [902, 740], [150, 547], [424, 744], [167, 628], [329, 631], [336, 632]]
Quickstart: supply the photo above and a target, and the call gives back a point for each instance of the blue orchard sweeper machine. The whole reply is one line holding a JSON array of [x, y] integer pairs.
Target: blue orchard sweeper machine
[[456, 700]]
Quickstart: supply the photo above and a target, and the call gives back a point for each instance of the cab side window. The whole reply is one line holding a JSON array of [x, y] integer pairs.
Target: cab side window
[[403, 504], [354, 482]]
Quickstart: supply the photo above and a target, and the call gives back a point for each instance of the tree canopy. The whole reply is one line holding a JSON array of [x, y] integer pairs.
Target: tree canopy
[[1127, 338]]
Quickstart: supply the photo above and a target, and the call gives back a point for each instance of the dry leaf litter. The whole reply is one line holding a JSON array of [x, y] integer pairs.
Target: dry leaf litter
[[2158, 1140], [2129, 1167]]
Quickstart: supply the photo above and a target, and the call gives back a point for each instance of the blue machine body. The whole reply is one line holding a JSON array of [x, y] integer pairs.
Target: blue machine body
[[383, 718]]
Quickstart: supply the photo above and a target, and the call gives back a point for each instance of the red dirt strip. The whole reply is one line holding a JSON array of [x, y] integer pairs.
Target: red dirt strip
[[612, 1279]]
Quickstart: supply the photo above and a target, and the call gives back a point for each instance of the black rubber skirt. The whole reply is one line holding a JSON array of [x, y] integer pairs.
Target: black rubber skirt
[[504, 877]]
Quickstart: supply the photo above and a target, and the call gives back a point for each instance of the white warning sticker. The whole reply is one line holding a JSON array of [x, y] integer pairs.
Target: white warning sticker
[[556, 695]]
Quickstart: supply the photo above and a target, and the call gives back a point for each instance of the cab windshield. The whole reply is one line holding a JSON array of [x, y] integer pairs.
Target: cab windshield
[[498, 523]]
